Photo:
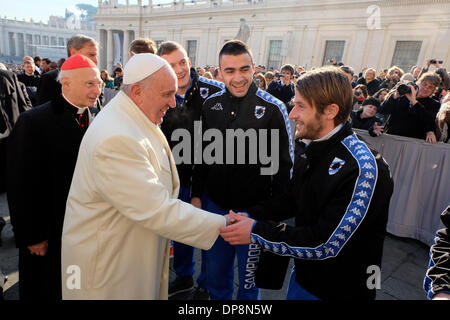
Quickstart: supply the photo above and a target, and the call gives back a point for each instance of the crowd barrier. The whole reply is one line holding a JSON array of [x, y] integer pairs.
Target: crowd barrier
[[421, 184]]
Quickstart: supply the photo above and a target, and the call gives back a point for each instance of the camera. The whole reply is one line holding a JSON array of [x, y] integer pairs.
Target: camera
[[404, 88], [433, 61], [278, 75]]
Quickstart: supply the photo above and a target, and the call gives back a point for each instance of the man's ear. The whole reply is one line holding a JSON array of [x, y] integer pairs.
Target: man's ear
[[65, 82], [72, 51], [331, 111], [136, 92]]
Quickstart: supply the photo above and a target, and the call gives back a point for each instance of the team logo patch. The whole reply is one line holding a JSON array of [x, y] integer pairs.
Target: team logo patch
[[217, 106], [204, 92], [335, 166], [259, 112]]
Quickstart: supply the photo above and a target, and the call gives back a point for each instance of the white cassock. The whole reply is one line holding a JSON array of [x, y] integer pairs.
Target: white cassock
[[122, 209]]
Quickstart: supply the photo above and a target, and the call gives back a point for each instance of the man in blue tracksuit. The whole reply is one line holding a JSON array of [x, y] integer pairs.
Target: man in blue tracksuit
[[192, 92], [237, 178]]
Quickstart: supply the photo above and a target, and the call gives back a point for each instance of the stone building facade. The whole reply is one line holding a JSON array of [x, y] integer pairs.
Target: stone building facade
[[19, 38], [304, 32]]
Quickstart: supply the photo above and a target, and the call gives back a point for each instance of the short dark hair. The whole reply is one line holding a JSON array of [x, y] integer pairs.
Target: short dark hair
[[143, 45], [37, 58], [118, 69], [235, 48], [168, 47], [347, 69], [324, 86], [47, 60], [288, 67], [371, 101], [78, 41]]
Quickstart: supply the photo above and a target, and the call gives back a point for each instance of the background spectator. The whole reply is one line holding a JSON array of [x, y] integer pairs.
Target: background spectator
[[284, 88], [208, 75], [381, 94], [392, 77], [109, 82], [366, 119], [261, 81], [118, 79], [370, 81], [45, 65], [359, 95], [413, 113], [443, 123]]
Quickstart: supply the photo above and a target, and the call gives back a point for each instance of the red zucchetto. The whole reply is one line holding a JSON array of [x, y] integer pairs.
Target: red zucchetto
[[77, 62]]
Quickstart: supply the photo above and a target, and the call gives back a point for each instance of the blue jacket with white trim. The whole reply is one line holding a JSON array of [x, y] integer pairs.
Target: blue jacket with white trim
[[339, 195], [235, 180]]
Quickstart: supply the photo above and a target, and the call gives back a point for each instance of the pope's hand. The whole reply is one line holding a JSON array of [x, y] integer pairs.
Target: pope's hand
[[239, 231]]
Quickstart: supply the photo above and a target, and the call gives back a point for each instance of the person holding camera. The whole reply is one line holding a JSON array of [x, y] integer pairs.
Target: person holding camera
[[284, 88], [392, 77], [410, 111]]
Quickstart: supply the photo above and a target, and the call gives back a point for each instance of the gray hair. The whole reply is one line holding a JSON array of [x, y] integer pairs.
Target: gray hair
[[2, 66], [78, 41], [126, 88], [407, 77]]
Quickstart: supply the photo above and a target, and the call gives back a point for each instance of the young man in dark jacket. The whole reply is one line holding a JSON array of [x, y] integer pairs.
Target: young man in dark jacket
[[339, 195], [240, 177], [191, 94]]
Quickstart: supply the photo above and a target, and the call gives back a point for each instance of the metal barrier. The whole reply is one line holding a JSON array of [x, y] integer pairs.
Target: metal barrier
[[421, 184]]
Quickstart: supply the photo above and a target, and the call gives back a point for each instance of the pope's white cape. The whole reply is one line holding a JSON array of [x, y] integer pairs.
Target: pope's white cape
[[122, 209]]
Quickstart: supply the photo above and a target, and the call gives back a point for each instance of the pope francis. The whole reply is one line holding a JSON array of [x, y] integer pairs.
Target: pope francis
[[122, 207]]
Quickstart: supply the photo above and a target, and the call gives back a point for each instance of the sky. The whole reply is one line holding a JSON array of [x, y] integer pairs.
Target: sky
[[41, 9]]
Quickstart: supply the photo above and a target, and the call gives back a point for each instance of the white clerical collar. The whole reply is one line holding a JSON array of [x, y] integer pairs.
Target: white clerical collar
[[325, 137], [80, 109]]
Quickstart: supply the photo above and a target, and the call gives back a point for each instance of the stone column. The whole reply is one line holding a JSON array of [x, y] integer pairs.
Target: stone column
[[101, 50], [110, 50], [5, 40], [257, 44], [16, 43], [126, 45]]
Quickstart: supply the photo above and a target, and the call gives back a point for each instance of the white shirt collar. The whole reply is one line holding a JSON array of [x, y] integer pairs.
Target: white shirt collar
[[325, 137]]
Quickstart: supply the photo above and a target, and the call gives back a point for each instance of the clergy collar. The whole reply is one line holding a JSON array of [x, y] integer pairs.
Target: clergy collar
[[80, 110]]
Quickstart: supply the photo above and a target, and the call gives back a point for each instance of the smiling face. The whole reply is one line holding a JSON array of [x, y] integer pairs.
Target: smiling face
[[82, 86], [369, 111], [180, 63], [308, 122], [426, 89], [237, 72], [157, 94]]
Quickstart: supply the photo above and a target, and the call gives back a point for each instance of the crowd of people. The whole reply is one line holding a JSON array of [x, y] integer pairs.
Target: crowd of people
[[108, 196]]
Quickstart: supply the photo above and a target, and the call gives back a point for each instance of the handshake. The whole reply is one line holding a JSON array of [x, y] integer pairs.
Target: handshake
[[239, 225], [238, 229]]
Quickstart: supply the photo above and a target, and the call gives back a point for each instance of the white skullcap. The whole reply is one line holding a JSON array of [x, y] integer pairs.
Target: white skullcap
[[142, 65]]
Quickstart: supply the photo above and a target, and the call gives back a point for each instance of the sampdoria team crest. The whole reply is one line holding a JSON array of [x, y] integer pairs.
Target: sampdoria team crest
[[335, 166], [259, 111], [204, 92]]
